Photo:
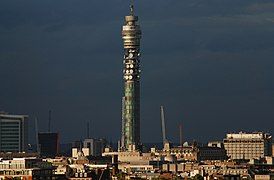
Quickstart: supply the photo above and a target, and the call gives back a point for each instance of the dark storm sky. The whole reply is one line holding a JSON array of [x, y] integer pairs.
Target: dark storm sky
[[209, 62]]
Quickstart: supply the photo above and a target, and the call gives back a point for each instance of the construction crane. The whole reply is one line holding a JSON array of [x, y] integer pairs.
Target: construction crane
[[181, 135], [163, 125], [49, 121], [36, 136]]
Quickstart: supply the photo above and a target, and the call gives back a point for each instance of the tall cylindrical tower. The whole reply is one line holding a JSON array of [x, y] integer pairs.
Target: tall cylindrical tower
[[131, 35]]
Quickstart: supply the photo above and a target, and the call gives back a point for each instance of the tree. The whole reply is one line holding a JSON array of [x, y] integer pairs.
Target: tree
[[198, 177]]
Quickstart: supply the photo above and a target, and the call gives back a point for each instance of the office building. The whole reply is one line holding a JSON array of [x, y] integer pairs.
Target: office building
[[77, 144], [248, 145], [208, 153], [219, 144], [49, 144], [131, 34], [13, 133], [192, 153], [96, 146]]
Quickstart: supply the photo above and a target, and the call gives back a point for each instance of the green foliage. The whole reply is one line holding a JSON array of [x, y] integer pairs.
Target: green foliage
[[120, 176], [198, 177]]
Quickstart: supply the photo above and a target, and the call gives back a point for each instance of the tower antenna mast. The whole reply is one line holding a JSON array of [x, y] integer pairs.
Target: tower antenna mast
[[131, 7]]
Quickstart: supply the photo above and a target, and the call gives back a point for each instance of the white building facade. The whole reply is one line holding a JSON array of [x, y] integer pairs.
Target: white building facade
[[248, 145]]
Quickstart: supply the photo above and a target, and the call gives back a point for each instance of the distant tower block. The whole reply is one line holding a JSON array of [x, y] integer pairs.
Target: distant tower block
[[49, 144], [131, 34]]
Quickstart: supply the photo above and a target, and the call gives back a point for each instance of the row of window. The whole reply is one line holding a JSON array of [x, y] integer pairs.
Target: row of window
[[3, 141], [8, 146], [9, 133], [244, 148], [239, 141]]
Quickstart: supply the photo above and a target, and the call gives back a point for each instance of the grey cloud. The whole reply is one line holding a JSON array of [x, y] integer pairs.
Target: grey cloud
[[206, 61]]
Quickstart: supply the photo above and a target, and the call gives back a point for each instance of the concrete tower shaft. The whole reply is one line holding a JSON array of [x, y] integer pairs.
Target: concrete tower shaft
[[131, 34]]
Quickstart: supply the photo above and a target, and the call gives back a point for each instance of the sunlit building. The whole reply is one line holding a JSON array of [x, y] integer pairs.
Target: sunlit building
[[248, 145], [95, 146], [25, 168]]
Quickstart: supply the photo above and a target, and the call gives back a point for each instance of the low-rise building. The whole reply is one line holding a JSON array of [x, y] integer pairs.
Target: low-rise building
[[25, 168], [211, 153], [192, 153], [248, 145], [264, 177], [187, 153]]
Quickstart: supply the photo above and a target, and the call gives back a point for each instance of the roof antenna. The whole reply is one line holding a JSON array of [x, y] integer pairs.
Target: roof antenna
[[131, 8], [88, 130], [36, 136], [49, 121]]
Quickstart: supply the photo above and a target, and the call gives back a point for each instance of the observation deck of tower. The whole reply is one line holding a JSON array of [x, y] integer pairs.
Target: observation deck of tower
[[131, 35]]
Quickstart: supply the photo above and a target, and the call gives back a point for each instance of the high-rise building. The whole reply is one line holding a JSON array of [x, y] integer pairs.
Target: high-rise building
[[131, 34], [95, 146], [49, 144], [248, 145], [13, 133]]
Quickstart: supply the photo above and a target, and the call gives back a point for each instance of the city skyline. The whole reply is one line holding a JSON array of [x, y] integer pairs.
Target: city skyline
[[217, 70]]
